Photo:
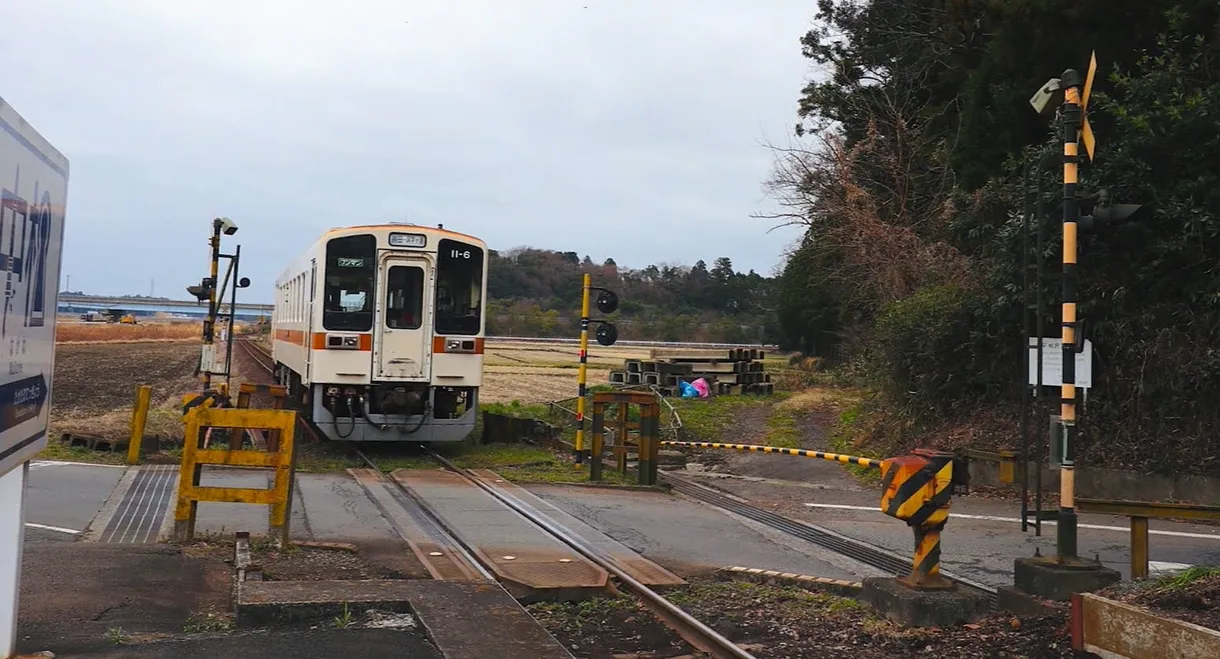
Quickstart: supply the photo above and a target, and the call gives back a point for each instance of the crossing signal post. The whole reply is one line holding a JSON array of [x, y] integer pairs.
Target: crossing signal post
[[607, 335], [206, 290], [1057, 577]]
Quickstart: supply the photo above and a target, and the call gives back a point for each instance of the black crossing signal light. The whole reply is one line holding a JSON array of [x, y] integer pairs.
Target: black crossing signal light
[[607, 334], [203, 290], [607, 301], [1098, 212]]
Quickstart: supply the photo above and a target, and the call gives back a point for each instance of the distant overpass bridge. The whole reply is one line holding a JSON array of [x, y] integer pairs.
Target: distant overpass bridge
[[149, 307]]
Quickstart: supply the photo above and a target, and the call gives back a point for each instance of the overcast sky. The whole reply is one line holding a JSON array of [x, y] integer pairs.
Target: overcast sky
[[624, 128]]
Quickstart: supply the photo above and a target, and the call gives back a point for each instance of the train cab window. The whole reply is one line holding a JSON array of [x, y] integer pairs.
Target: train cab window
[[404, 297], [459, 287], [351, 266]]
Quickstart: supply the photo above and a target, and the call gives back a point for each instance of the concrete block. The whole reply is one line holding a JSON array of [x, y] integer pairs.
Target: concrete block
[[1037, 576], [1013, 600], [666, 458], [923, 608]]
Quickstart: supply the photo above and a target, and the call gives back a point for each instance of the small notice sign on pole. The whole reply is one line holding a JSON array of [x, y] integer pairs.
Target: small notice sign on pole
[[1052, 363]]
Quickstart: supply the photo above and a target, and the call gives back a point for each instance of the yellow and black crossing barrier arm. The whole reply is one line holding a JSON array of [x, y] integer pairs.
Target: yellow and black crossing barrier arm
[[804, 453], [916, 489]]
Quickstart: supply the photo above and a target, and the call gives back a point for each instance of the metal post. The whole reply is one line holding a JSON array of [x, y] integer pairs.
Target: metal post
[[12, 526], [209, 323], [1040, 323], [599, 431], [139, 417], [1139, 547], [1024, 413], [1066, 537], [584, 358], [235, 260]]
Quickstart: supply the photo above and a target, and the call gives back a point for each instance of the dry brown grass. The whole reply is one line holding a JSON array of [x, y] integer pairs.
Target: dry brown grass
[[558, 355], [532, 372], [70, 332]]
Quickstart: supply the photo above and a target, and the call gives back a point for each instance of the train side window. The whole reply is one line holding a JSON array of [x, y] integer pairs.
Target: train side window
[[404, 297], [459, 287], [351, 266]]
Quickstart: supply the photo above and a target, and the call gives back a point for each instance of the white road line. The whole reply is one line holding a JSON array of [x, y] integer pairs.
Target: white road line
[[36, 464], [996, 518], [57, 529]]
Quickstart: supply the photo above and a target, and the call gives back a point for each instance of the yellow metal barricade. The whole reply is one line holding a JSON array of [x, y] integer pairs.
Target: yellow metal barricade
[[263, 441], [194, 458]]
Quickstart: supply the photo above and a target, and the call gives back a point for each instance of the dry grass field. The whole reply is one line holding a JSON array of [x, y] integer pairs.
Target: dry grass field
[[100, 365], [81, 332], [543, 372]]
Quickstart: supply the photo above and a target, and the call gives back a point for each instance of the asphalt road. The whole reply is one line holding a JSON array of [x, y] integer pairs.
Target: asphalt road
[[679, 533], [67, 496], [982, 537]]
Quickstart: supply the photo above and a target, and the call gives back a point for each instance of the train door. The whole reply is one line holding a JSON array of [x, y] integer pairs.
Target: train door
[[401, 339]]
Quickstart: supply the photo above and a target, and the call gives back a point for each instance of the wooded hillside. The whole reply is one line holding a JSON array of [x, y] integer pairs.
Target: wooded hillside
[[907, 172], [537, 292]]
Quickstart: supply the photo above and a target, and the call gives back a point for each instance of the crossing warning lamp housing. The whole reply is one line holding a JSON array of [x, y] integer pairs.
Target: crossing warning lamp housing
[[607, 333], [607, 301], [203, 290], [1097, 211]]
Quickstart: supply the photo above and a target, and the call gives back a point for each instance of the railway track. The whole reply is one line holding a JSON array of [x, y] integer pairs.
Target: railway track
[[259, 354], [693, 631], [688, 627]]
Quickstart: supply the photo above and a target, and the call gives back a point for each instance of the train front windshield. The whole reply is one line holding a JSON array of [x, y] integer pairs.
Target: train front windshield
[[351, 269], [459, 288]]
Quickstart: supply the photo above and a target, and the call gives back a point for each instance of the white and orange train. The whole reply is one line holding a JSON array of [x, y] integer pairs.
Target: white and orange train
[[378, 331]]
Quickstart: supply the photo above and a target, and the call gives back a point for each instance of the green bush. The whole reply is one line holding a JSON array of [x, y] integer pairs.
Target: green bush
[[921, 353]]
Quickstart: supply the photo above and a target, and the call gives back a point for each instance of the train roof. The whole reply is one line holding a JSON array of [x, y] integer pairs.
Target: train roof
[[362, 228], [335, 232]]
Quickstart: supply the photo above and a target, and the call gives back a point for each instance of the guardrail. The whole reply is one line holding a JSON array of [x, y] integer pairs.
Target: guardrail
[[1139, 512], [1109, 628]]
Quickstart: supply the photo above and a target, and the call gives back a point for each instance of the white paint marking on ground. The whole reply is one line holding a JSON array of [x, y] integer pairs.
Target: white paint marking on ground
[[1165, 567], [997, 518], [36, 464], [57, 529]]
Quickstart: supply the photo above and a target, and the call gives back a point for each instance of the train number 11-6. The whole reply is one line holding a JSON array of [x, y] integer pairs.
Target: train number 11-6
[[459, 253]]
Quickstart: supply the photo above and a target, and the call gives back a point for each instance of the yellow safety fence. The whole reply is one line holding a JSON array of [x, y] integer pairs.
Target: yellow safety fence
[[236, 421]]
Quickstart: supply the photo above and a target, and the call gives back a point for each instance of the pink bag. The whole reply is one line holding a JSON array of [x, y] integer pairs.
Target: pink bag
[[700, 385]]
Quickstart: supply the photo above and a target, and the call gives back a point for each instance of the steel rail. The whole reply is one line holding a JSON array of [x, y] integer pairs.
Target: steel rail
[[696, 633], [861, 551], [408, 501]]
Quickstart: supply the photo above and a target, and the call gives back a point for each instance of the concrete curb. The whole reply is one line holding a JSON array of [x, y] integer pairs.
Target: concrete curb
[[769, 577], [1118, 630]]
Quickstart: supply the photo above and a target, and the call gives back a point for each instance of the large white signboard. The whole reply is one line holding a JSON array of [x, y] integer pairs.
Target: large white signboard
[[33, 192], [1052, 363]]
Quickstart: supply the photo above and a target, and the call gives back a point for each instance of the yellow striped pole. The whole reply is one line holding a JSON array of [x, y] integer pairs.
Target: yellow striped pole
[[584, 359], [804, 453], [1066, 537]]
